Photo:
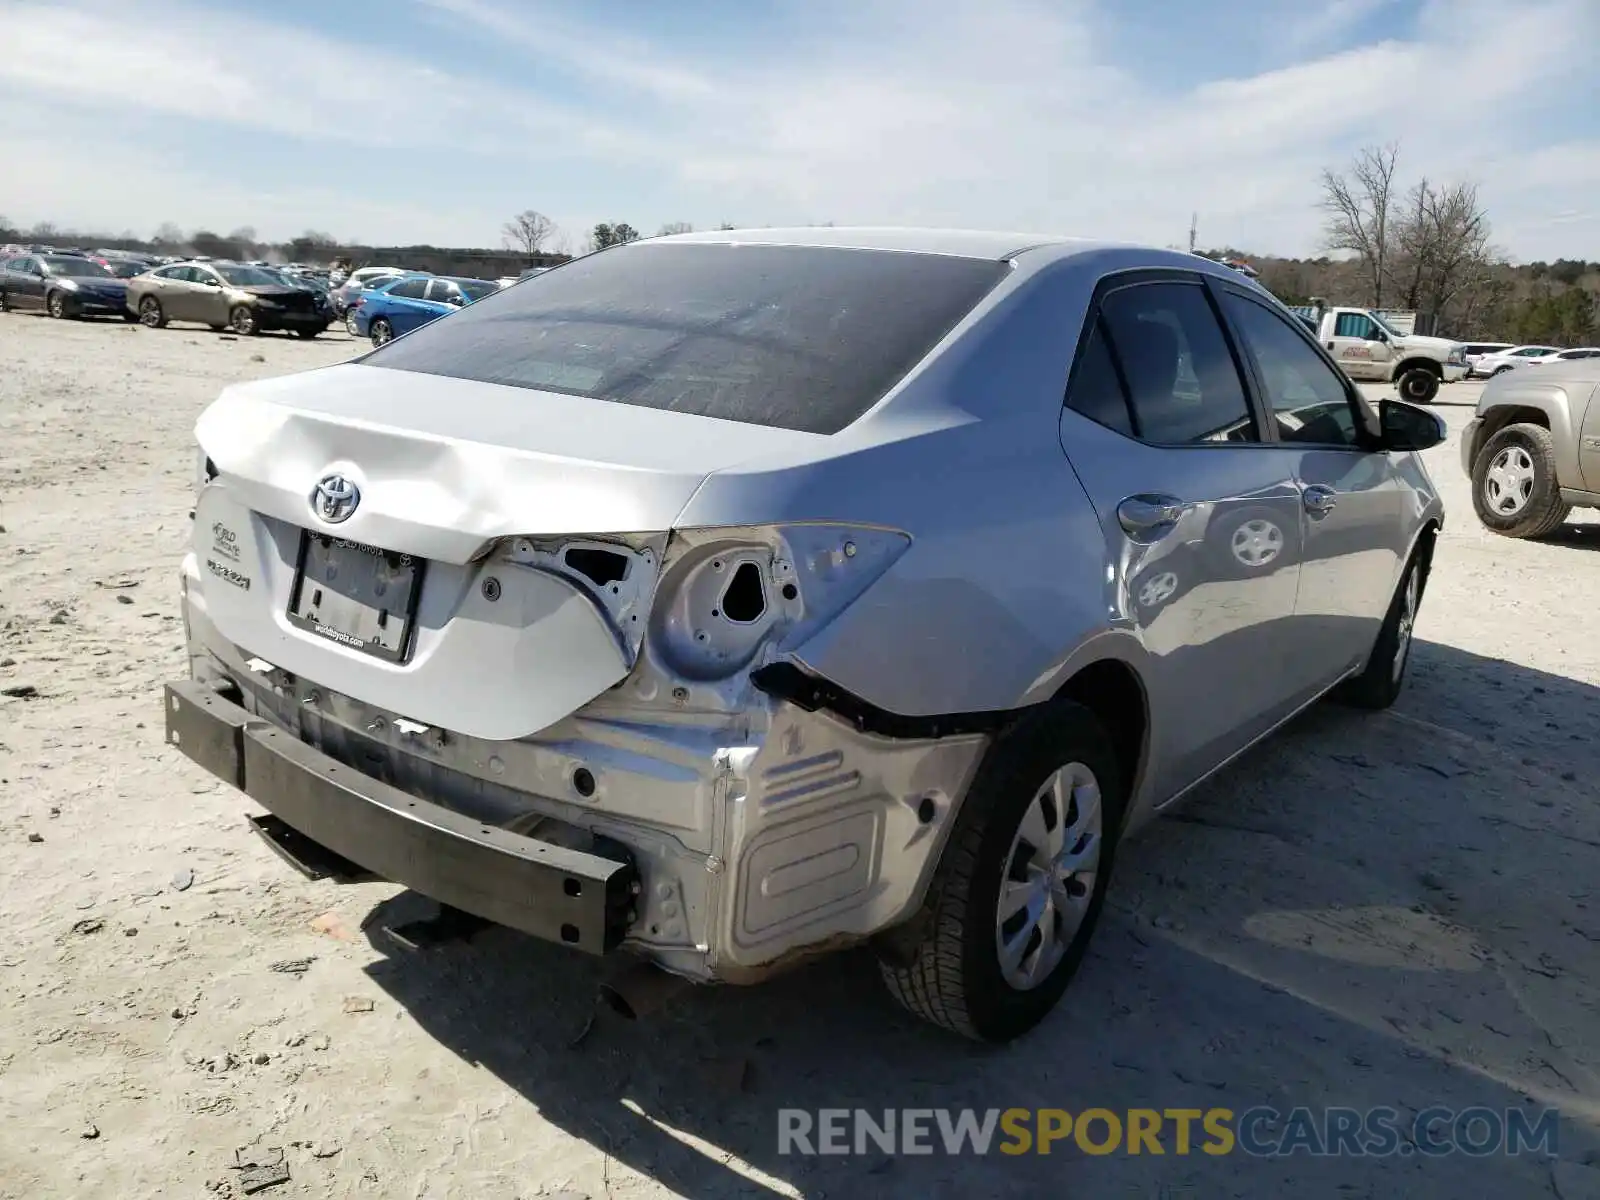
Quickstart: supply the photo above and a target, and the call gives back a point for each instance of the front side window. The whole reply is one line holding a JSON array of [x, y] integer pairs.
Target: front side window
[[1307, 397], [1183, 385], [1354, 325]]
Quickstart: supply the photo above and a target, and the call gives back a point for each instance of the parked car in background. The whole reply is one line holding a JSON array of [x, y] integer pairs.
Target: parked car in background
[[674, 605], [1571, 355], [1490, 365], [361, 279], [402, 305], [248, 300], [63, 285], [1372, 350], [1532, 450], [1478, 350]]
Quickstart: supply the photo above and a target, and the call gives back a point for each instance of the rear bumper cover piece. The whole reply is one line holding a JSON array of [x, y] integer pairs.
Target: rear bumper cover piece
[[572, 897]]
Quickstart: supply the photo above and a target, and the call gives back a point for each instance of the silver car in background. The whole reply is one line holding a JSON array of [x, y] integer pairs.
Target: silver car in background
[[733, 597]]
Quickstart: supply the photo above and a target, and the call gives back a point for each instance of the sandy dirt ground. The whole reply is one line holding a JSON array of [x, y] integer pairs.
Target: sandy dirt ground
[[1399, 909]]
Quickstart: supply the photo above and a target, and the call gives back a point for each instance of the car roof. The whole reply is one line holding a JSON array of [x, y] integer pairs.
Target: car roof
[[964, 243]]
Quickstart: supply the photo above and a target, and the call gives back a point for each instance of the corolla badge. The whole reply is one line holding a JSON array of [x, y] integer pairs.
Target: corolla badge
[[335, 498]]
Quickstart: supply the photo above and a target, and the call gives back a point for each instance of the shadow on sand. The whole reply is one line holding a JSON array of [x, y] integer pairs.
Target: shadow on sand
[[1367, 910]]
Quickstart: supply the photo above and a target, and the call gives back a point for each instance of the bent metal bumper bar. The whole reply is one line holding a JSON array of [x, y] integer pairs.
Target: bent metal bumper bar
[[573, 897]]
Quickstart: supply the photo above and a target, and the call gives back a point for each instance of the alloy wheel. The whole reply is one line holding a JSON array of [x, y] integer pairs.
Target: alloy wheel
[[1256, 543], [1050, 876], [1508, 484], [1406, 622], [1158, 589]]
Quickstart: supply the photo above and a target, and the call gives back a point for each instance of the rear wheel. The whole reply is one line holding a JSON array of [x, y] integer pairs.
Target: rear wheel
[[350, 325], [242, 320], [5, 301], [56, 305], [151, 315], [382, 332], [308, 334], [1514, 483], [1021, 884], [1419, 385]]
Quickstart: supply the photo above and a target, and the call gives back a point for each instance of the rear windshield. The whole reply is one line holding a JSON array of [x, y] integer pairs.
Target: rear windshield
[[794, 337]]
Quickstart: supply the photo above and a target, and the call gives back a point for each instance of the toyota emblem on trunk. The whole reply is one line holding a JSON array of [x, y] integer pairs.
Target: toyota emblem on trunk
[[335, 498]]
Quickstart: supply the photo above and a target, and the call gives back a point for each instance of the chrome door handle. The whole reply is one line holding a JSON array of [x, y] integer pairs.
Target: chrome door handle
[[1319, 498], [1145, 514]]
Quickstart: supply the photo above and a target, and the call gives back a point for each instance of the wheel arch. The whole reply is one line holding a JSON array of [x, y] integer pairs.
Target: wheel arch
[[1407, 364], [1114, 691], [1543, 404]]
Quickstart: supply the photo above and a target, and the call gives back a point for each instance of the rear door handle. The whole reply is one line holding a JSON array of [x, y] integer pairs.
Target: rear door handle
[[1144, 515], [1319, 498]]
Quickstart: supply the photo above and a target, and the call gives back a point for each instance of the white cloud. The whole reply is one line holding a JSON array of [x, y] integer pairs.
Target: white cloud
[[996, 113]]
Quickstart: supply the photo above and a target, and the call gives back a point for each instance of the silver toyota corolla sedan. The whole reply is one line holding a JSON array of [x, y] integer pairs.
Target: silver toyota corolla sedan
[[729, 598]]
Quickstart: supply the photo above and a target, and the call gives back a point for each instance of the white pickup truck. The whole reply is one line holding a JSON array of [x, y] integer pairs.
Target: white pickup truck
[[1371, 350]]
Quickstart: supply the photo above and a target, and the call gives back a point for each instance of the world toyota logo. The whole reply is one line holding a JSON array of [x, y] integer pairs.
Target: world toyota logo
[[335, 498]]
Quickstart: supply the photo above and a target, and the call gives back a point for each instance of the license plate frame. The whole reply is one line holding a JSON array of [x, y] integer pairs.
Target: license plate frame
[[317, 550]]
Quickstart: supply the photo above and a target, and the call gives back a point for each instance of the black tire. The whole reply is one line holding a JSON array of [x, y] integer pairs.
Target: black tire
[[307, 334], [382, 332], [151, 314], [1418, 385], [1498, 371], [1380, 682], [56, 305], [5, 301], [944, 965], [350, 323], [1518, 450], [242, 320]]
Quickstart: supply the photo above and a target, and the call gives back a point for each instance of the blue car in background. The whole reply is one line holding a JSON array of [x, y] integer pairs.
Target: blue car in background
[[398, 307]]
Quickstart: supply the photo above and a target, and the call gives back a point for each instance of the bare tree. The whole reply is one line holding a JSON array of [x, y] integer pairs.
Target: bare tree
[[528, 231], [1358, 203], [1447, 236], [168, 236], [672, 227]]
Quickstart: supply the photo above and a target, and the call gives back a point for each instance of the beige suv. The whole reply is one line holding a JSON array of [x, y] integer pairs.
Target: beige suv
[[1533, 448]]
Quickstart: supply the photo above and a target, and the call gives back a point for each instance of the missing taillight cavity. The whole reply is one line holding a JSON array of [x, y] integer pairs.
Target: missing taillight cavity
[[600, 567], [744, 599]]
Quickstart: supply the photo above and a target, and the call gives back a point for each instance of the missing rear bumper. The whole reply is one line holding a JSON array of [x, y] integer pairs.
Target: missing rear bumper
[[342, 819]]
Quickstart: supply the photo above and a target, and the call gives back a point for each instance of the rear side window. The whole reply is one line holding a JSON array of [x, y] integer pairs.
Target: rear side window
[[1096, 390], [1182, 383], [409, 289], [794, 337]]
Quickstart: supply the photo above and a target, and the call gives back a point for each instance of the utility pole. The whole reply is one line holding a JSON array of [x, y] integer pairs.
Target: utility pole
[[1194, 225]]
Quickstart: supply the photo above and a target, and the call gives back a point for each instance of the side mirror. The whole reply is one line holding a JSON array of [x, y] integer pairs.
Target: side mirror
[[1408, 427]]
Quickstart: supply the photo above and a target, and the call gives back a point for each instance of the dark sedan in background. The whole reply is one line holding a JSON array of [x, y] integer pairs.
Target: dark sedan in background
[[63, 285], [247, 300]]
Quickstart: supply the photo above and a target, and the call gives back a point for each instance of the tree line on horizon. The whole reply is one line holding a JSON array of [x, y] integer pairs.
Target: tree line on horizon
[[1425, 247]]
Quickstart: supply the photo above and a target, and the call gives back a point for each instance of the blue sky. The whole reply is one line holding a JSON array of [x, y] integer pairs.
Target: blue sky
[[435, 120]]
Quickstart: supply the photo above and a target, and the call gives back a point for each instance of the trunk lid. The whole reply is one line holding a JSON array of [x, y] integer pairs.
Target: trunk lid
[[443, 469], [446, 465]]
